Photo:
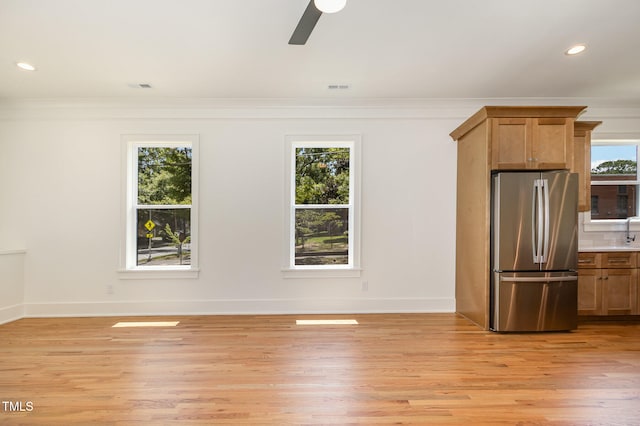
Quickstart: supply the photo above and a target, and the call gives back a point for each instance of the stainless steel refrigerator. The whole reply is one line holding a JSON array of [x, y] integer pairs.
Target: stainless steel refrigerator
[[534, 251]]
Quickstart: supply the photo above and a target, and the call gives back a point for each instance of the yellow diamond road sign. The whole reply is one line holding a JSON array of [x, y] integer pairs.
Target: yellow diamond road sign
[[149, 225]]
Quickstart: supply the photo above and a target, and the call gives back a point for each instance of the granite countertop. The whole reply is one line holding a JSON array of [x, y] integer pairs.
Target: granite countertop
[[610, 248]]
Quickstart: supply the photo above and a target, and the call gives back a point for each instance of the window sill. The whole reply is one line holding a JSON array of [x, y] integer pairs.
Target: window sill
[[605, 225], [158, 273], [610, 225], [321, 272]]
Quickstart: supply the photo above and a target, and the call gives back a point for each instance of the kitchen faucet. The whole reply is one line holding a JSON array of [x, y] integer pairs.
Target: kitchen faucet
[[629, 237]]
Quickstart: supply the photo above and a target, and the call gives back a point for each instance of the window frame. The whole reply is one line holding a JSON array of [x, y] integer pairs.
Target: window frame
[[128, 264], [353, 267], [613, 225]]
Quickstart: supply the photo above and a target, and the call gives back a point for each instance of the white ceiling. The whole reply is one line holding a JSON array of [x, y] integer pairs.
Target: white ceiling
[[380, 48]]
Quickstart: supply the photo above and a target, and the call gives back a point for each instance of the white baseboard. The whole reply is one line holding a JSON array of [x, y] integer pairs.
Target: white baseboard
[[241, 307], [11, 313]]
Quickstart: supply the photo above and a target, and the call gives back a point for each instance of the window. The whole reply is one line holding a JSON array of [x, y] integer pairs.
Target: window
[[161, 190], [323, 203], [614, 180]]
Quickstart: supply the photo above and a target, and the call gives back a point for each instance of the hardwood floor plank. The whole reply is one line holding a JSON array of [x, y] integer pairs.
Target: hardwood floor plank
[[391, 368]]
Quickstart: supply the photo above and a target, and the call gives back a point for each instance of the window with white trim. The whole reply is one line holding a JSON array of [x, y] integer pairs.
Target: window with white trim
[[614, 179], [323, 203], [161, 195]]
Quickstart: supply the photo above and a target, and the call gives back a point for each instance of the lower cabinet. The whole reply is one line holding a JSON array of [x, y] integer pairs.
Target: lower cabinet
[[589, 291], [608, 283]]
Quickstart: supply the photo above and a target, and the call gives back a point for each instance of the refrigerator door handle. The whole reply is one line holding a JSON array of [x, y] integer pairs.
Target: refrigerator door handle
[[537, 279], [537, 215], [545, 246], [534, 248]]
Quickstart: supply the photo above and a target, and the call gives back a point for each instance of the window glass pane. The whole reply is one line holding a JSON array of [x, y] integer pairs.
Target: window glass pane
[[613, 201], [615, 162], [322, 236], [322, 176], [164, 175], [614, 181], [595, 205], [163, 237]]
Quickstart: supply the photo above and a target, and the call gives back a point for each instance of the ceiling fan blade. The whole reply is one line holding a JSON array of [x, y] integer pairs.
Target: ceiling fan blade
[[305, 25]]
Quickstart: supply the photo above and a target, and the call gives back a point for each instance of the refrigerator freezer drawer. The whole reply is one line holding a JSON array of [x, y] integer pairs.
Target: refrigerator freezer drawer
[[541, 302]]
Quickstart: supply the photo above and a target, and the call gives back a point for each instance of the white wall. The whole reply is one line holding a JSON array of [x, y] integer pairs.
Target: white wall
[[61, 201], [11, 285], [11, 250]]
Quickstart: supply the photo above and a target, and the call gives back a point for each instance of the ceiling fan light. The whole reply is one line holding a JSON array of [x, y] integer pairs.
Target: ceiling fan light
[[330, 6]]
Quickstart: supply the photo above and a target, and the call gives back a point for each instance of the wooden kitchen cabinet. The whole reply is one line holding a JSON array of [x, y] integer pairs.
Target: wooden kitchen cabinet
[[538, 143], [582, 161], [589, 292], [618, 259], [619, 291], [607, 283], [497, 138]]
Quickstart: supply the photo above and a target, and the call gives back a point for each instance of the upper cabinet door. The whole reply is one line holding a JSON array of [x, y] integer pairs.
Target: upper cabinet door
[[510, 140], [552, 146], [537, 143]]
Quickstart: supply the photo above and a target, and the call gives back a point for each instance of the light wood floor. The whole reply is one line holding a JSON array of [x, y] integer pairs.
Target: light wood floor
[[390, 369]]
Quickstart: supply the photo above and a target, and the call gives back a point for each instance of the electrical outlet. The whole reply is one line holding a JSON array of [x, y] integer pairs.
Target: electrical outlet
[[109, 288], [365, 285]]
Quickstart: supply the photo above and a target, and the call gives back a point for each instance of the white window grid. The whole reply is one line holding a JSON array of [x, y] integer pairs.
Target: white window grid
[[352, 143], [129, 256]]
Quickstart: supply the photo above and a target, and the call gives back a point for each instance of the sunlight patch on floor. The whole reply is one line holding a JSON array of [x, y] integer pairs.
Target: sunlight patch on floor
[[327, 322], [145, 324]]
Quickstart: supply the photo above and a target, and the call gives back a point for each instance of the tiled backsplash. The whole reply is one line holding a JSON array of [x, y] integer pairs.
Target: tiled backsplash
[[604, 238]]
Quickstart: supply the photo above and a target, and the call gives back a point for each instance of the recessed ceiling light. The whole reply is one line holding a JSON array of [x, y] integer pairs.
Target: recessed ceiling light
[[574, 50], [25, 66]]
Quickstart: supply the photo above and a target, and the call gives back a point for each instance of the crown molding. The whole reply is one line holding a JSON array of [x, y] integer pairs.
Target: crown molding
[[315, 108]]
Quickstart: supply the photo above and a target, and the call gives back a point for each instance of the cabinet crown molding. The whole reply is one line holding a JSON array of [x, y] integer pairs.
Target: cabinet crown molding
[[580, 128], [515, 112]]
